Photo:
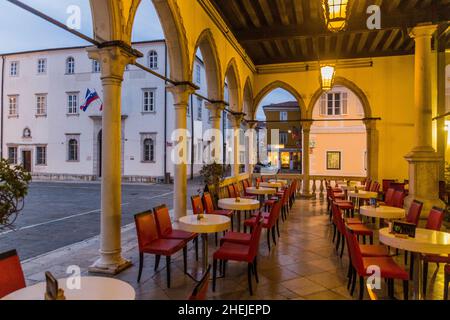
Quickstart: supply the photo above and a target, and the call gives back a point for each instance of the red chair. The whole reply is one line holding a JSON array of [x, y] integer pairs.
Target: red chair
[[399, 198], [446, 281], [414, 212], [375, 187], [201, 289], [209, 207], [231, 191], [388, 267], [165, 231], [269, 222], [389, 197], [435, 219], [11, 274], [368, 185], [240, 252], [242, 194], [197, 205], [386, 185], [150, 243]]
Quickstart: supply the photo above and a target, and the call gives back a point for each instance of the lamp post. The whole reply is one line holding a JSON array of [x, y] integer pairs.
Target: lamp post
[[336, 14]]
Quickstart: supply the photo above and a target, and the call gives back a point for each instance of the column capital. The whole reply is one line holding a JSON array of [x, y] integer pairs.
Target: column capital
[[216, 109], [252, 125], [113, 59], [306, 126], [181, 93], [423, 30], [236, 119]]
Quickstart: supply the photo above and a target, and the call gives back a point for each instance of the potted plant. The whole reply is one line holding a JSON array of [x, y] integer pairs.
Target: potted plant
[[14, 182], [212, 174]]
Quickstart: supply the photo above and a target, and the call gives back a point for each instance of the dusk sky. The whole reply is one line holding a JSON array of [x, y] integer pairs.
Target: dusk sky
[[25, 31]]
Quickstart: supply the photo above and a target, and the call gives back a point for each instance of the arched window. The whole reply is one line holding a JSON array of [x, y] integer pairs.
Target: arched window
[[153, 59], [70, 65], [73, 150], [149, 150]]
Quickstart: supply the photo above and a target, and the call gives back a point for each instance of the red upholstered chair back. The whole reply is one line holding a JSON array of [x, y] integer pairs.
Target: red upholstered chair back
[[355, 251], [163, 222], [231, 191], [389, 198], [414, 211], [237, 190], [337, 218], [399, 198], [255, 237], [386, 184], [208, 203], [245, 184], [201, 289], [435, 218], [275, 213], [197, 205], [368, 185], [11, 273], [146, 228]]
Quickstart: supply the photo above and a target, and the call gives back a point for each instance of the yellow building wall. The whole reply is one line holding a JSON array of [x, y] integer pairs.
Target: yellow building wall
[[388, 85]]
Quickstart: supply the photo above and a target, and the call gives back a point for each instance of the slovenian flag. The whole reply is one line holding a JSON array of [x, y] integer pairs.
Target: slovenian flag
[[91, 96]]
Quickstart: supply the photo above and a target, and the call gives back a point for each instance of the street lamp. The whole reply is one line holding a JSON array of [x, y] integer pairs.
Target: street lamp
[[336, 14], [327, 73]]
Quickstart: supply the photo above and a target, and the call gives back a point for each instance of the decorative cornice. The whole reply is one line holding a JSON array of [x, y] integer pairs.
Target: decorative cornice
[[226, 31]]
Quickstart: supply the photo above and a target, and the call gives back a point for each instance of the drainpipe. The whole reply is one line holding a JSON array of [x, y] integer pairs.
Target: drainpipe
[[1, 105], [165, 115], [192, 137]]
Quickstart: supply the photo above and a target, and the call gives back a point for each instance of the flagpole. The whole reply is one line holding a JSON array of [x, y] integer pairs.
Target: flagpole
[[100, 99]]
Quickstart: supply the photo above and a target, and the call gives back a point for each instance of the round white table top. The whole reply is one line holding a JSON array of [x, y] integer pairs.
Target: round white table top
[[282, 181], [242, 205], [363, 194], [92, 288], [383, 212], [426, 241], [261, 190], [211, 223], [346, 187], [271, 184]]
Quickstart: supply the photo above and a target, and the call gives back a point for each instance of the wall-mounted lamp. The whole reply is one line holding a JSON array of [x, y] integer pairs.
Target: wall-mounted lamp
[[327, 73]]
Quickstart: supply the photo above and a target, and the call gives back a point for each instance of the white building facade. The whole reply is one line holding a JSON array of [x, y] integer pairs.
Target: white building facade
[[44, 129]]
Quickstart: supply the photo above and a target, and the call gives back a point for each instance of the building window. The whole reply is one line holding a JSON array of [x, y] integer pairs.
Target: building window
[[26, 133], [13, 103], [41, 104], [42, 66], [148, 100], [72, 103], [283, 138], [70, 65], [96, 66], [72, 149], [283, 116], [153, 59], [14, 69], [199, 109], [198, 74], [12, 155], [333, 104], [149, 150], [333, 160], [41, 155]]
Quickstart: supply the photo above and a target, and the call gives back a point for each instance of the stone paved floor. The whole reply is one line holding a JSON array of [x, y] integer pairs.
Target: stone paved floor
[[303, 265]]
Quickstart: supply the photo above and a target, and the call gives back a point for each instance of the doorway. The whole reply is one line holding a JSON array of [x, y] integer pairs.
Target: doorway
[[99, 155], [26, 160]]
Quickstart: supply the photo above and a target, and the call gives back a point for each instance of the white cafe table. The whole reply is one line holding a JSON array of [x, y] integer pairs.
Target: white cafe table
[[425, 242], [275, 185], [261, 192], [361, 195], [282, 181], [210, 223], [242, 205], [92, 288], [383, 212]]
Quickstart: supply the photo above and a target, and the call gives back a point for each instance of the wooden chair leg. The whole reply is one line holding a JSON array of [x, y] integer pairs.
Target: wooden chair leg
[[274, 235], [278, 227], [446, 283], [157, 258], [338, 242], [405, 289], [343, 245], [361, 288], [255, 270], [249, 276], [168, 270], [352, 291], [268, 238], [214, 274], [185, 259], [141, 265]]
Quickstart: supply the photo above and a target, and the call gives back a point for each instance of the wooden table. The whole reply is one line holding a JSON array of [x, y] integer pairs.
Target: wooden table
[[211, 223], [92, 288], [425, 242], [241, 206]]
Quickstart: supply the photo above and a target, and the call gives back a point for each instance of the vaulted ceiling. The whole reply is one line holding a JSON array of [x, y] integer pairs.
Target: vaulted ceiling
[[279, 31]]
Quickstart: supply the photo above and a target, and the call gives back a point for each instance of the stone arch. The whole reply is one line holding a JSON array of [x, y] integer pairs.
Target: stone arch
[[248, 99], [340, 81], [208, 48], [113, 20], [282, 85], [234, 87]]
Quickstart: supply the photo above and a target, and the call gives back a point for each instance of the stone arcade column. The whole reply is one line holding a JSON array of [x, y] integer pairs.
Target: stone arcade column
[[423, 160], [113, 60], [216, 110], [372, 148], [306, 129], [236, 121]]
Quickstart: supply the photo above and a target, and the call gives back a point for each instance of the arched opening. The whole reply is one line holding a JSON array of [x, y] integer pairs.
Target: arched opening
[[338, 143], [278, 108]]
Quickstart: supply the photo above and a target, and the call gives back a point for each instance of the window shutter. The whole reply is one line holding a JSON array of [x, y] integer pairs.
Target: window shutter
[[344, 103], [323, 105]]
